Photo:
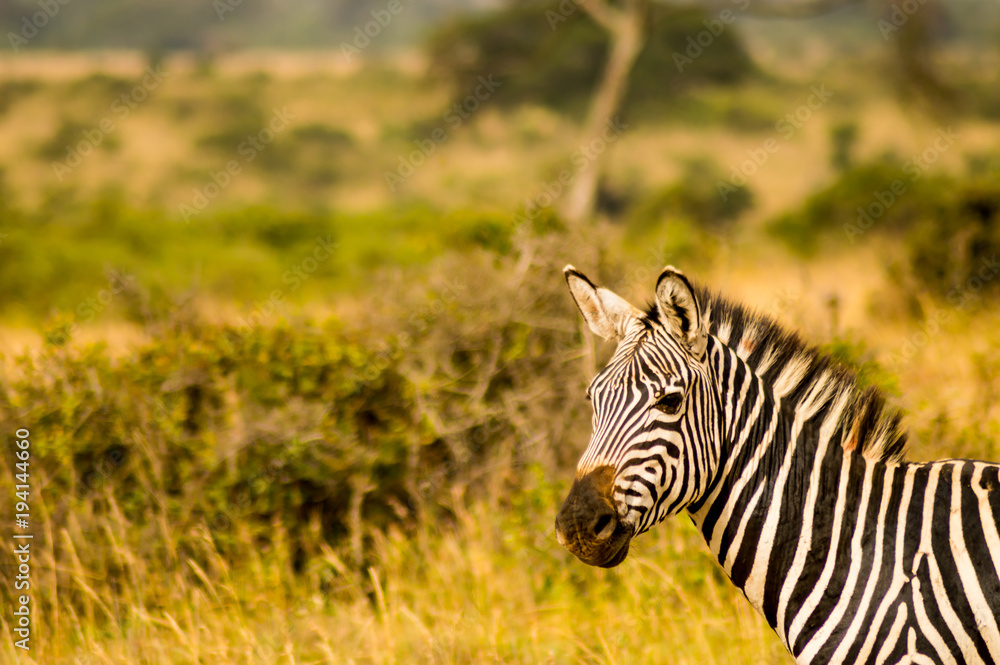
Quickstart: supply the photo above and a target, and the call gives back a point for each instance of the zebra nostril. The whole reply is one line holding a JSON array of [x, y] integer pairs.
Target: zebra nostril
[[603, 526]]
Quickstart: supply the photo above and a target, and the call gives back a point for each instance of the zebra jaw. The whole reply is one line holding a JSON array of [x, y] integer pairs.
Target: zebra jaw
[[588, 524]]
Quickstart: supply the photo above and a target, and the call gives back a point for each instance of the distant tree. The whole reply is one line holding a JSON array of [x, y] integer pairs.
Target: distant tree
[[625, 23], [627, 27], [914, 36], [553, 54], [571, 55]]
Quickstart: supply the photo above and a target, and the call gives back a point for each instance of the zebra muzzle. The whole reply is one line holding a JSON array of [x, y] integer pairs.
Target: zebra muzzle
[[588, 524]]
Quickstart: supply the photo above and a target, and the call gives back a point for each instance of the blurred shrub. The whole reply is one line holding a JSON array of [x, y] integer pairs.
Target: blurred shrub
[[274, 228], [863, 199], [694, 197], [180, 108], [842, 139], [13, 91], [249, 434], [986, 163], [559, 63], [58, 255], [100, 85], [950, 227], [71, 135], [319, 153], [742, 109], [982, 98], [955, 254], [220, 425], [947, 432], [241, 254], [242, 130], [490, 232], [322, 135]]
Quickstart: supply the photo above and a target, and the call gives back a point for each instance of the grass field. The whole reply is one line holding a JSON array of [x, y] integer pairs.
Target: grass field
[[320, 420]]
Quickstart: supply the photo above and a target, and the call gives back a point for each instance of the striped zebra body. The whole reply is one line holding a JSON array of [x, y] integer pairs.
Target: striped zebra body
[[793, 474]]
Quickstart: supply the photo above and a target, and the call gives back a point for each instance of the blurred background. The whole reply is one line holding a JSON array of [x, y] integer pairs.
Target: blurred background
[[281, 299]]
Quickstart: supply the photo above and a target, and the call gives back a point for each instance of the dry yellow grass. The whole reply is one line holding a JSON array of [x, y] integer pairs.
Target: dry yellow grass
[[490, 587]]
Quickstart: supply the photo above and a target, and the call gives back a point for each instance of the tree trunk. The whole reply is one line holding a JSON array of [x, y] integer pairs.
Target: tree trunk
[[626, 28]]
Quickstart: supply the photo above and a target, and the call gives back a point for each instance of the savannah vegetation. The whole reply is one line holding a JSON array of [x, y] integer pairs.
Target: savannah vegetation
[[285, 408]]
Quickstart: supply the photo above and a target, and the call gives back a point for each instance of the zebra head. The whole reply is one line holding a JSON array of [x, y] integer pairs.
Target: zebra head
[[656, 437]]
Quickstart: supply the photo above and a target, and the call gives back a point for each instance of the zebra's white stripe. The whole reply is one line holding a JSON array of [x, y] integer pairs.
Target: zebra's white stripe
[[965, 645], [744, 479], [816, 595], [833, 620], [734, 547], [967, 572], [924, 621], [866, 598], [737, 490], [899, 577], [791, 376], [754, 586], [987, 517], [724, 330], [738, 443], [805, 542], [891, 640]]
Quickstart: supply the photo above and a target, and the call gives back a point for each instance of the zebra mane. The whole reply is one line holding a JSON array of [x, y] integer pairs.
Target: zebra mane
[[803, 377]]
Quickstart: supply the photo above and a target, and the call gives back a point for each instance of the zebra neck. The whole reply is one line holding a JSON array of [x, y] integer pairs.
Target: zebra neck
[[765, 492]]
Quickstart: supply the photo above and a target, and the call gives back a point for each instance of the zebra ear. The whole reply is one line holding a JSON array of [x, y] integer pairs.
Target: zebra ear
[[680, 311], [607, 313]]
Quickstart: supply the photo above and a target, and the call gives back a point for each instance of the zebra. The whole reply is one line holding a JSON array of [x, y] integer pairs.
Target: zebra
[[795, 476]]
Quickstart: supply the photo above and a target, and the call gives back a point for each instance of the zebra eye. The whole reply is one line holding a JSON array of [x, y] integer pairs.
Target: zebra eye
[[669, 403]]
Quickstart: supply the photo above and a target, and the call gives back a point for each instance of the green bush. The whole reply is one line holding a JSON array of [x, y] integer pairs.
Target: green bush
[[695, 198], [949, 227], [56, 256], [842, 140], [239, 431], [322, 135], [216, 425], [849, 208], [954, 255], [70, 135], [13, 91]]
